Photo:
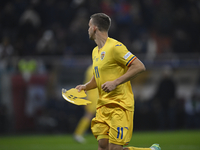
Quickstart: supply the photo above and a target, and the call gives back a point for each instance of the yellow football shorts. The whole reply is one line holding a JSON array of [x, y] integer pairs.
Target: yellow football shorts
[[114, 123]]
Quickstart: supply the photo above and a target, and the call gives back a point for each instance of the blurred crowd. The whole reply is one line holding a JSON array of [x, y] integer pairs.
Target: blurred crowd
[[172, 104], [59, 27]]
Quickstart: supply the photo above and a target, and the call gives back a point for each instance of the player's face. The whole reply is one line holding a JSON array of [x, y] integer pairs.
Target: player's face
[[91, 30]]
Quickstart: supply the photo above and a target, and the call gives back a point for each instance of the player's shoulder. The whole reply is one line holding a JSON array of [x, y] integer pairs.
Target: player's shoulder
[[115, 43]]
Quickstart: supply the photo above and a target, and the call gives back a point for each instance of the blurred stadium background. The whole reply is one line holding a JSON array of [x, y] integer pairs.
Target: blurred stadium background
[[44, 47]]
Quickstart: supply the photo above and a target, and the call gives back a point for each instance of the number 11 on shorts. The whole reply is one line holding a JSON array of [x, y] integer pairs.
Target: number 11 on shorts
[[120, 130]]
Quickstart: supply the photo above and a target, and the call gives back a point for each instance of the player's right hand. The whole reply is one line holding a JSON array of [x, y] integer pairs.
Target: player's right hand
[[80, 87]]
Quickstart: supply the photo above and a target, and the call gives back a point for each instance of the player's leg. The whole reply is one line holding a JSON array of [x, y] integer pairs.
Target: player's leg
[[136, 148], [118, 147], [84, 123], [120, 126], [82, 127], [103, 144], [120, 131], [115, 147], [153, 147], [100, 129]]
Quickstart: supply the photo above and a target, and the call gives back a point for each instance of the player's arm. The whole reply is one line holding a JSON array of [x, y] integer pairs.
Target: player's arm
[[134, 69], [88, 86]]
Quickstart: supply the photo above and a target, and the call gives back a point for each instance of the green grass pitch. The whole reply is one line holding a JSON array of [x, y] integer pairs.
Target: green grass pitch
[[168, 140]]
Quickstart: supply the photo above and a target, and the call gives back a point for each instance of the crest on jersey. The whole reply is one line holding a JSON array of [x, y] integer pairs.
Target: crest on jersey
[[102, 55]]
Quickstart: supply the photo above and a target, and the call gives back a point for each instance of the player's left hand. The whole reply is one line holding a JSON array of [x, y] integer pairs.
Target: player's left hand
[[108, 86]]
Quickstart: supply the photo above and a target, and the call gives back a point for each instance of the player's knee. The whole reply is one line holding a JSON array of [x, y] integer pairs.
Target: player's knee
[[103, 144], [115, 147]]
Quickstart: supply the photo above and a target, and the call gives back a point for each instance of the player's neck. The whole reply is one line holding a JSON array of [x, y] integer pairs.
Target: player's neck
[[101, 39]]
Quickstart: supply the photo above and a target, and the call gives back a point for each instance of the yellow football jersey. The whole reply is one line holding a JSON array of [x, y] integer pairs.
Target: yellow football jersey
[[109, 63]]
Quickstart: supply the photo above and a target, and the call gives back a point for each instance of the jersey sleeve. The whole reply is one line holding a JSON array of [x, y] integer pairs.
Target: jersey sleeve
[[122, 55]]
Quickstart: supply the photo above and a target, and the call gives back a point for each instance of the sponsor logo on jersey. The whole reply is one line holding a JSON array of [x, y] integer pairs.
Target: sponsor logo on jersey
[[126, 128], [127, 55], [118, 45], [102, 55]]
